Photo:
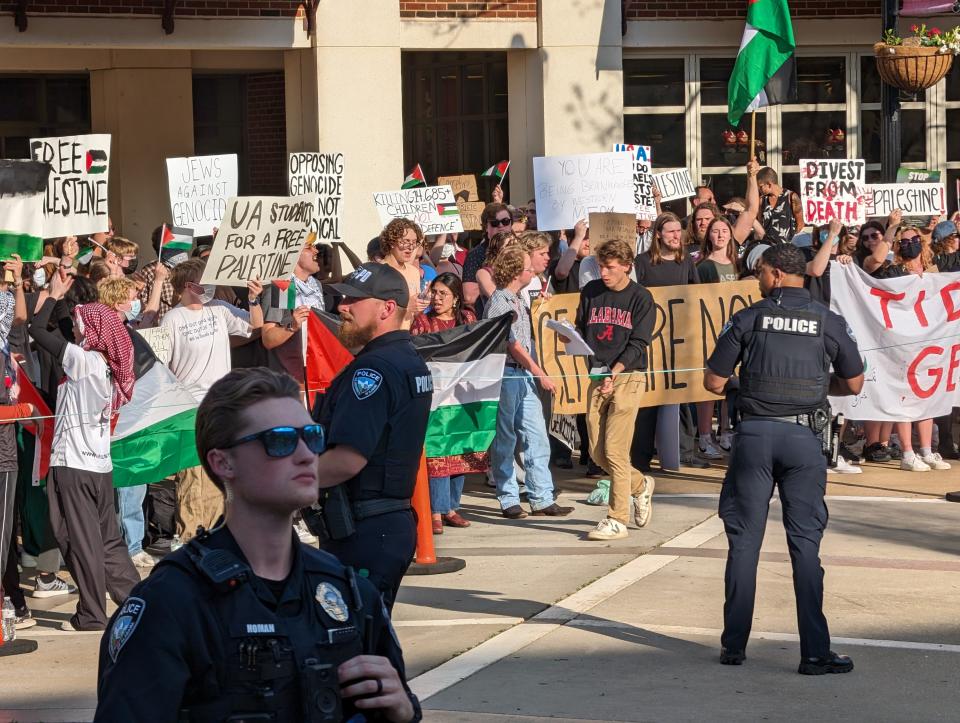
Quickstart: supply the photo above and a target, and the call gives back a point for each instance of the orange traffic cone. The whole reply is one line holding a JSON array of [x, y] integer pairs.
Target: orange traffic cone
[[426, 561]]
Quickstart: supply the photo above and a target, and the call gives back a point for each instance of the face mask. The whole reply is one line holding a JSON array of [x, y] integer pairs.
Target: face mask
[[910, 249], [131, 267], [133, 313], [208, 293], [40, 277]]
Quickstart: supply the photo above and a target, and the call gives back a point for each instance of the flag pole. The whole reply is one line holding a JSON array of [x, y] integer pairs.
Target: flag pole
[[753, 134]]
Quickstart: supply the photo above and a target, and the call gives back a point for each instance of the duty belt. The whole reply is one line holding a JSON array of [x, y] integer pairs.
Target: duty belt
[[804, 420], [372, 508]]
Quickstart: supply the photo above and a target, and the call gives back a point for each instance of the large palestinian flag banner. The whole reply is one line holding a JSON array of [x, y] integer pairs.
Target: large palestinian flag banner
[[22, 188]]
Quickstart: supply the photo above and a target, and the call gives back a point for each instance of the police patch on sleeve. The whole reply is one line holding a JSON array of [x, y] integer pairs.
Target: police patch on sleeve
[[332, 602], [127, 620], [850, 334], [726, 327], [366, 382]]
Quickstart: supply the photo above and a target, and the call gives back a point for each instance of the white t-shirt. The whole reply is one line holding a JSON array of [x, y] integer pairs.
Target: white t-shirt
[[200, 344], [532, 291], [81, 428]]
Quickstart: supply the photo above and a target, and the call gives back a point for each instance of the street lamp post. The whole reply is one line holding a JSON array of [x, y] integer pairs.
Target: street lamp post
[[890, 104]]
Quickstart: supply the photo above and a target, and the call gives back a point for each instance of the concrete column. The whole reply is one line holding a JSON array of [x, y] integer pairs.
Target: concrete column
[[525, 119]]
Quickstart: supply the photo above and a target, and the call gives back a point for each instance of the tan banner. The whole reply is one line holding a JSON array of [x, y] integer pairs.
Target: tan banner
[[689, 320]]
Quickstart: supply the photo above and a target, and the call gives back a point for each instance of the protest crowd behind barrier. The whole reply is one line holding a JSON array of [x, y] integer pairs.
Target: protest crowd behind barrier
[[248, 281]]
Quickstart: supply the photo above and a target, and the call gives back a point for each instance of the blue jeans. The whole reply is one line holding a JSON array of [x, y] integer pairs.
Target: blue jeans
[[520, 416], [131, 516], [445, 494]]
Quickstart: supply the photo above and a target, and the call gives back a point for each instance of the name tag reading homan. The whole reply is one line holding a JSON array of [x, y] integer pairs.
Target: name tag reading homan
[[790, 325]]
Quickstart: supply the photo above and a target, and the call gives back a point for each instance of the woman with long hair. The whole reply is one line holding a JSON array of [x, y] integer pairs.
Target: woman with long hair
[[447, 310], [485, 274]]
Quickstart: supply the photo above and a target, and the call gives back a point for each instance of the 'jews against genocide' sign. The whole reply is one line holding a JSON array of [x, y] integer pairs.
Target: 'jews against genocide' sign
[[76, 199], [689, 320], [320, 174], [569, 188], [260, 237], [432, 208], [674, 184], [199, 189], [914, 199], [642, 180], [833, 189]]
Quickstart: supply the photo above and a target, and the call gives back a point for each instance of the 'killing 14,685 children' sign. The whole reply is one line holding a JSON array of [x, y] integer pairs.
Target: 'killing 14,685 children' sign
[[568, 188], [642, 179], [833, 189], [76, 199], [199, 189], [260, 237], [320, 174], [432, 208]]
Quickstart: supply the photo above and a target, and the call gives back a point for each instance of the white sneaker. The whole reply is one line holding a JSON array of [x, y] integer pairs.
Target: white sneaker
[[303, 532], [57, 586], [913, 463], [608, 529], [643, 502], [844, 467], [143, 559], [725, 441], [709, 451], [935, 461]]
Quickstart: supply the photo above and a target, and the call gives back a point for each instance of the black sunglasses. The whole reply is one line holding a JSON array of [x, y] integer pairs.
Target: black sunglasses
[[500, 223], [283, 441]]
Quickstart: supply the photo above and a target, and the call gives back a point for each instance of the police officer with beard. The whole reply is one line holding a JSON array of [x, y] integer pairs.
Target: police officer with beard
[[785, 345], [375, 417]]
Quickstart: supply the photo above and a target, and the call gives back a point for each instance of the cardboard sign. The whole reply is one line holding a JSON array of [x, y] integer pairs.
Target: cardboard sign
[[199, 189], [674, 184], [76, 199], [642, 180], [468, 199], [689, 320], [568, 188], [260, 237], [606, 226], [833, 189], [158, 337], [320, 175], [917, 175], [432, 208], [914, 199]]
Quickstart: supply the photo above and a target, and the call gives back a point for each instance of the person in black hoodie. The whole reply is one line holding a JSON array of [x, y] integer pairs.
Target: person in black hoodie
[[616, 317]]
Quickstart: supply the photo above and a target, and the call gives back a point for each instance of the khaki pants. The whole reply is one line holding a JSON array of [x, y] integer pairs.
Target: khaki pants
[[199, 502], [610, 426]]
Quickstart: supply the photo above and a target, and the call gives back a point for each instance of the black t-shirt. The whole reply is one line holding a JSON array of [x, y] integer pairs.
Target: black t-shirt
[[818, 286], [666, 273], [568, 285], [948, 262], [617, 324], [890, 271]]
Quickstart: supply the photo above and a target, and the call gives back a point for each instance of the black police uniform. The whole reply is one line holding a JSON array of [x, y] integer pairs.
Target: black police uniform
[[785, 345], [379, 406], [203, 639]]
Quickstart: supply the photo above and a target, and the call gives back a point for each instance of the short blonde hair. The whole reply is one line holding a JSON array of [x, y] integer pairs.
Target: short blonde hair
[[508, 265], [115, 290], [531, 241], [121, 246]]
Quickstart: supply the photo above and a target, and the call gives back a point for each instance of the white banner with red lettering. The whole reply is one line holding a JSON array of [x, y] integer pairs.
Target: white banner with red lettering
[[908, 332]]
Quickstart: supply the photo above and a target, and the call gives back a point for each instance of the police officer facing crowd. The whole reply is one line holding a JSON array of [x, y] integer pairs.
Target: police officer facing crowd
[[785, 345], [246, 623], [375, 418]]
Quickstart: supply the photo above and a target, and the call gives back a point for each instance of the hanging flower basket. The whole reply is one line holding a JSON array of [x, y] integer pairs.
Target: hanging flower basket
[[912, 68]]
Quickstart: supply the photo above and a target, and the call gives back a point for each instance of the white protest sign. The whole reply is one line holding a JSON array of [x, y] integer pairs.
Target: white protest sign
[[76, 199], [674, 184], [259, 237], [159, 340], [199, 189], [914, 199], [642, 179], [320, 174], [833, 189], [908, 333], [432, 208], [568, 188]]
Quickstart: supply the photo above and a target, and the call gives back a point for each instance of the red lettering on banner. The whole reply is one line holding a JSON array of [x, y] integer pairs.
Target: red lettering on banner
[[954, 363], [946, 293], [918, 308], [885, 298], [935, 372]]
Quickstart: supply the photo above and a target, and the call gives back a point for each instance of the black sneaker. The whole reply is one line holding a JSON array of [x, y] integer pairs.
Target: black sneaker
[[950, 452], [849, 455], [833, 663], [514, 512], [595, 471], [553, 510], [732, 657], [894, 451], [876, 452]]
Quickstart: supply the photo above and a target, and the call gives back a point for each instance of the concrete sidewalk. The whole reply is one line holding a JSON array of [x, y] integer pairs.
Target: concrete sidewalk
[[543, 624]]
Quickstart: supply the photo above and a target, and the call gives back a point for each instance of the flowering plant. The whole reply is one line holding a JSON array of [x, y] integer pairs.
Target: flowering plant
[[948, 41]]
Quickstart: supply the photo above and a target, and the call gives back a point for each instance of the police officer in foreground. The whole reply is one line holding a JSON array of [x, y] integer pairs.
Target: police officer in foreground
[[785, 345], [246, 623], [375, 418]]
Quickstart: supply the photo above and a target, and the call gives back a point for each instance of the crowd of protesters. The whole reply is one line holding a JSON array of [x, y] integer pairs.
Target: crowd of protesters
[[71, 321]]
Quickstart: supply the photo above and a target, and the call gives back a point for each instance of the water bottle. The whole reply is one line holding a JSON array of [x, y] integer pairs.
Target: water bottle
[[9, 621]]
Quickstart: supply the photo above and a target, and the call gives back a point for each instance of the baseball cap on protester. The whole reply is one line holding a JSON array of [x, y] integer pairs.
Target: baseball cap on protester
[[944, 229], [375, 281], [753, 258]]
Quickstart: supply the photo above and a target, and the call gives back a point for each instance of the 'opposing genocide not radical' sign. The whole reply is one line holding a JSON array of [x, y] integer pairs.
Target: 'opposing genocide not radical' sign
[[569, 188], [260, 237], [432, 208], [199, 189], [320, 174], [76, 199]]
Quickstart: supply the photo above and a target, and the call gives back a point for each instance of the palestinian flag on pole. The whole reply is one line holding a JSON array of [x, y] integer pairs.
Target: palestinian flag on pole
[[175, 245], [467, 367], [323, 354], [765, 72], [283, 294], [22, 188], [416, 178], [497, 171]]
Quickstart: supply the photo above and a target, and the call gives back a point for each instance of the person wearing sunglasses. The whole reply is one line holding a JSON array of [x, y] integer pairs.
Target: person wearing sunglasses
[[245, 622], [495, 219]]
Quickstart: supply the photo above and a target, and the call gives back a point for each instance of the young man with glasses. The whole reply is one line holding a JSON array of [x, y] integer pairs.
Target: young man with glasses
[[245, 622]]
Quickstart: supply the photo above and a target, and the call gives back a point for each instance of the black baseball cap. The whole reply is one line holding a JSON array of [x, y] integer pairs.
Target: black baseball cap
[[375, 281]]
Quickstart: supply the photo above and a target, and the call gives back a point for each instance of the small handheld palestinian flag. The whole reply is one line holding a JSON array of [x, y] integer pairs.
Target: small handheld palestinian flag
[[416, 178], [447, 209], [283, 294], [497, 171], [175, 245]]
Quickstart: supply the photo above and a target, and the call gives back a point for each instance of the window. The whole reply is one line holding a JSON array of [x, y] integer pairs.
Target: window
[[45, 105], [219, 120], [952, 110], [816, 126]]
